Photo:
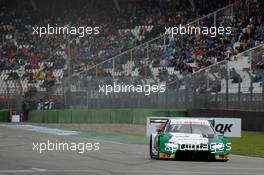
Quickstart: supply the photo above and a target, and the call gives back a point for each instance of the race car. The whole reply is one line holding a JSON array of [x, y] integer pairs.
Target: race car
[[188, 138]]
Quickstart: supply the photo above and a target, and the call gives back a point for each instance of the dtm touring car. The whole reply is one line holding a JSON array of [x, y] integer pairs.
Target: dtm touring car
[[186, 138]]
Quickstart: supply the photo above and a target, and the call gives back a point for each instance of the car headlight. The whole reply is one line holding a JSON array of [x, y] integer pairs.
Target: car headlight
[[171, 145], [217, 146]]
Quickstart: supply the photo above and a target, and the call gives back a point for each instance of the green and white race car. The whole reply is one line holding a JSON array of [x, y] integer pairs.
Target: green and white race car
[[188, 138]]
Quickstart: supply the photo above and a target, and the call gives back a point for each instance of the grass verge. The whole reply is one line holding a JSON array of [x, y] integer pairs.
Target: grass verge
[[250, 144]]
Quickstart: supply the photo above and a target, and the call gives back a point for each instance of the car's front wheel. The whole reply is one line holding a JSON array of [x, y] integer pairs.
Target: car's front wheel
[[152, 155]]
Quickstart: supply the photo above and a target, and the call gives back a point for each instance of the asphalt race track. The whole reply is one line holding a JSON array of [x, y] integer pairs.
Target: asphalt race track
[[17, 157]]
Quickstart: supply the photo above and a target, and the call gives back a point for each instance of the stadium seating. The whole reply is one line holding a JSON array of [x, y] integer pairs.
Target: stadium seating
[[42, 62]]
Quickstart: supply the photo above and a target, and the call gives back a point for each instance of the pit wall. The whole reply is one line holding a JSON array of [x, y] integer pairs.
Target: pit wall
[[128, 116], [251, 120]]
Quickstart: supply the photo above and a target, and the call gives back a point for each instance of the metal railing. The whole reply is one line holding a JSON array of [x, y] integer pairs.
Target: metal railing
[[227, 84], [11, 95], [145, 50]]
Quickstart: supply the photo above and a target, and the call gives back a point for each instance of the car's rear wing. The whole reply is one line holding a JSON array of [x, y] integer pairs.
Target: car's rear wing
[[158, 120], [212, 121], [155, 123]]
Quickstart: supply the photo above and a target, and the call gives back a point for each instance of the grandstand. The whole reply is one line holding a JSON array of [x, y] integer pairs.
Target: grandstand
[[199, 71]]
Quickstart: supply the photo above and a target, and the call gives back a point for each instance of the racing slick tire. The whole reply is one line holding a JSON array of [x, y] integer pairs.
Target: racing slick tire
[[152, 156]]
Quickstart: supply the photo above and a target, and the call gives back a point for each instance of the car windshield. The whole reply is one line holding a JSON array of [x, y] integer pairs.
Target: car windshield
[[191, 128]]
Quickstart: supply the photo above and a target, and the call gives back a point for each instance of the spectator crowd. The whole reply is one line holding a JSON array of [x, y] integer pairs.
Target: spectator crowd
[[122, 28]]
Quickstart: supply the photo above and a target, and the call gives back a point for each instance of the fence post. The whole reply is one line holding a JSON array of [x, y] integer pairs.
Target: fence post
[[177, 94], [3, 39], [194, 91], [63, 93], [214, 19], [166, 99], [250, 60], [8, 94], [232, 12], [20, 95], [186, 100], [87, 101], [69, 93], [164, 41], [113, 64], [147, 50], [206, 88], [251, 91], [247, 4], [131, 54], [239, 91]]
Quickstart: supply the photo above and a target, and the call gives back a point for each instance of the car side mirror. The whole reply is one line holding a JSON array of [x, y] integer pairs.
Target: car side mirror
[[222, 133], [159, 130]]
